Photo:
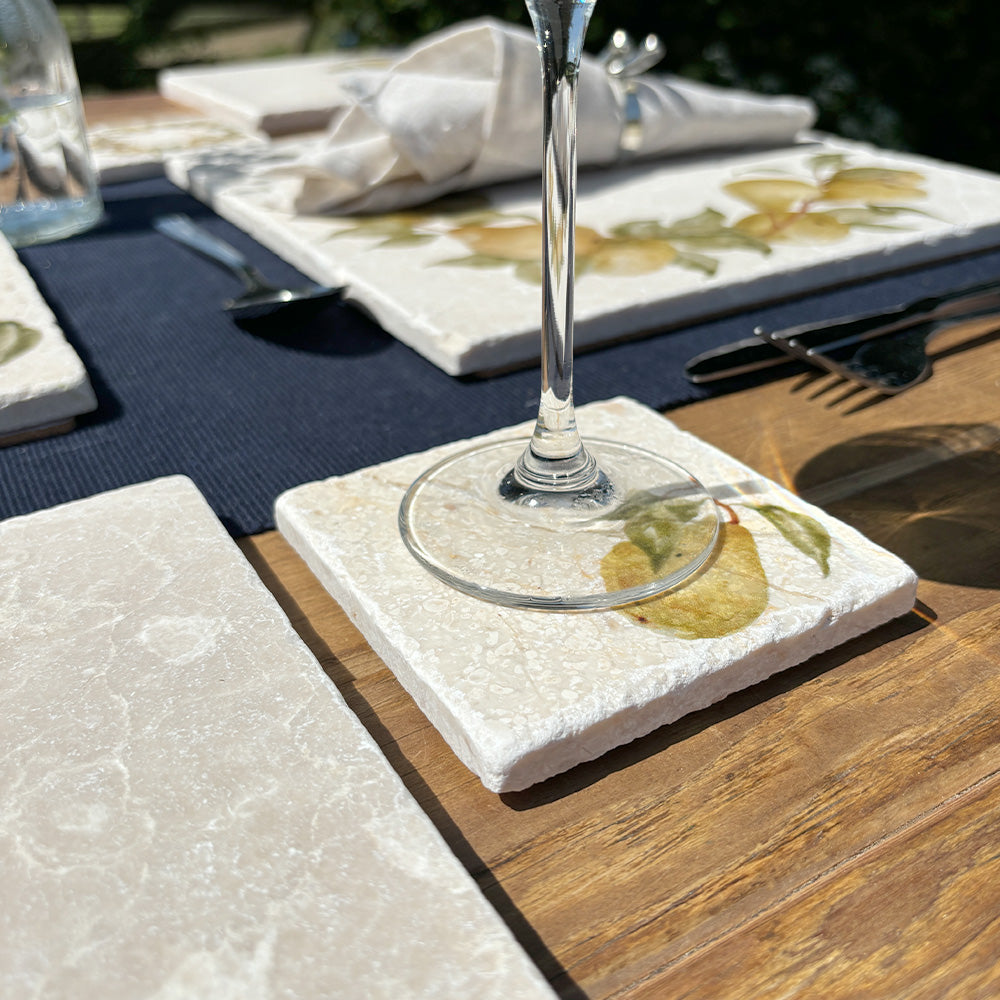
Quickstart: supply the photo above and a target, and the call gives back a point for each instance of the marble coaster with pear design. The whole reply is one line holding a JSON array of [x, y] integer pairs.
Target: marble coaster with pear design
[[523, 695]]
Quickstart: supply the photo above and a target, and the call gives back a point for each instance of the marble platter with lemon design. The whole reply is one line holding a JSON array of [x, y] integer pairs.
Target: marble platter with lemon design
[[523, 695], [43, 383], [658, 244]]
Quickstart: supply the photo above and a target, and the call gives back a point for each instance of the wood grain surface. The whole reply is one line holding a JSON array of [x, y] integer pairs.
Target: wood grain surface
[[831, 833], [807, 836]]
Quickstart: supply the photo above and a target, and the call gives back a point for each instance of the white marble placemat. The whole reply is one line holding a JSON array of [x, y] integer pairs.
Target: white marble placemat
[[523, 695], [657, 245], [189, 807], [43, 382]]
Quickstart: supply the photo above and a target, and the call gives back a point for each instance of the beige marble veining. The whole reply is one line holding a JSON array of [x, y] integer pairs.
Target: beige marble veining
[[523, 695], [46, 383], [188, 807]]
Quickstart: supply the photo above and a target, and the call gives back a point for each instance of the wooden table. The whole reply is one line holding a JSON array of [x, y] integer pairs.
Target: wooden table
[[831, 833]]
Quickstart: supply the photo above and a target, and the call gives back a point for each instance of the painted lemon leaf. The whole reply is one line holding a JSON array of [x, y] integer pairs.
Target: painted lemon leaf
[[724, 598], [529, 271], [804, 532], [407, 240], [655, 525], [388, 230], [706, 230], [828, 161], [698, 262], [15, 339], [642, 502], [874, 216], [476, 260], [403, 228]]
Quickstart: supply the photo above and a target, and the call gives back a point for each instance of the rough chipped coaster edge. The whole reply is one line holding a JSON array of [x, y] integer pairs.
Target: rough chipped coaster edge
[[517, 771], [38, 405]]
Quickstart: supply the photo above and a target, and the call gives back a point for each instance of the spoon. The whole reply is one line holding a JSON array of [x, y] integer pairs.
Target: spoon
[[261, 298]]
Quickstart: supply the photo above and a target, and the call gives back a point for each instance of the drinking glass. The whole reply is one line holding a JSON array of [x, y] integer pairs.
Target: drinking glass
[[48, 187], [532, 524]]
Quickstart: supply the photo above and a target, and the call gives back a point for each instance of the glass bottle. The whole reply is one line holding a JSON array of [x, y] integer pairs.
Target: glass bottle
[[48, 187]]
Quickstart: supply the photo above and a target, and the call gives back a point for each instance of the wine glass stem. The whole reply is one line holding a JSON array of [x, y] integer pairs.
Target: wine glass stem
[[555, 459]]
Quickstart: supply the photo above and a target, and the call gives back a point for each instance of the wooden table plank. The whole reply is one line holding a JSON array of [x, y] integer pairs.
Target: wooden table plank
[[695, 846], [627, 864], [896, 921]]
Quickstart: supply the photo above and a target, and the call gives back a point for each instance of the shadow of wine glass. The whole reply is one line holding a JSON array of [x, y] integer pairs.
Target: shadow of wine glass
[[930, 494]]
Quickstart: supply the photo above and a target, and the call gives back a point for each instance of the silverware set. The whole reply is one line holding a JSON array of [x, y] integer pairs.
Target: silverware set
[[885, 350]]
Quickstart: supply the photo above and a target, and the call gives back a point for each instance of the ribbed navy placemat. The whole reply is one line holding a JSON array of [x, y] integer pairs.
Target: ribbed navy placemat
[[181, 389]]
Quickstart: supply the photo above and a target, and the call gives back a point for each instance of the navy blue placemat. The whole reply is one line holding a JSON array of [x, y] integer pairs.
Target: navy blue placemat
[[246, 415]]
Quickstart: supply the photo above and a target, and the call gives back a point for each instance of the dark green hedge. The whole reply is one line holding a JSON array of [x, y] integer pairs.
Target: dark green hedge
[[921, 76]]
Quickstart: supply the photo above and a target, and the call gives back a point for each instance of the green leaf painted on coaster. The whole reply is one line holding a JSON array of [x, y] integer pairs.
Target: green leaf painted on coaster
[[804, 532], [722, 599], [658, 525], [642, 502], [15, 339]]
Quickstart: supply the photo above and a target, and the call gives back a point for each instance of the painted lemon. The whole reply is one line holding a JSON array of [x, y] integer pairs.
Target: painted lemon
[[517, 243], [630, 256], [774, 194], [795, 227], [871, 185]]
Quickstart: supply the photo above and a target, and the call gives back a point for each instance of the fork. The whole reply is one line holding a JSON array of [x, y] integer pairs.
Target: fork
[[889, 364]]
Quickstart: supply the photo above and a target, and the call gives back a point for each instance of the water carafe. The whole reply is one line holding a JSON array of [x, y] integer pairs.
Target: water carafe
[[48, 188]]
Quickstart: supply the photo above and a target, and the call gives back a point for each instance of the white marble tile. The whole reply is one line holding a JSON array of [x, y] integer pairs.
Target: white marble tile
[[42, 379], [276, 96], [523, 695], [189, 808], [658, 244]]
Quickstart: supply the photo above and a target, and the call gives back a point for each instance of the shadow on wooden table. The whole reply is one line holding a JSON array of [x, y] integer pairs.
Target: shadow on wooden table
[[929, 494], [620, 759]]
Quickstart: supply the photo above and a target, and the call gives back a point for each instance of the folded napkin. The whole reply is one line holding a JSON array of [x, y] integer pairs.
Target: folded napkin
[[463, 108]]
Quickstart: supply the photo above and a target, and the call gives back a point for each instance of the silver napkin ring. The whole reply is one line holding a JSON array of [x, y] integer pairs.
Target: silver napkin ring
[[624, 61]]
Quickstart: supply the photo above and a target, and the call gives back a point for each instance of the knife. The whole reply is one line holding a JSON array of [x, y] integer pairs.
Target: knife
[[767, 349]]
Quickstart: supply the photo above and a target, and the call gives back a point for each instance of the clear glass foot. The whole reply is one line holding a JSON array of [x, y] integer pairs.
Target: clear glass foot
[[641, 528]]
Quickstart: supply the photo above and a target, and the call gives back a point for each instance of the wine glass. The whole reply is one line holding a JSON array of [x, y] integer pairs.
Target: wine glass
[[533, 524]]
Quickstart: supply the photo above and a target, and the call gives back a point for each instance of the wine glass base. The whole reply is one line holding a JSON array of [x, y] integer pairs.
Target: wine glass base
[[644, 527]]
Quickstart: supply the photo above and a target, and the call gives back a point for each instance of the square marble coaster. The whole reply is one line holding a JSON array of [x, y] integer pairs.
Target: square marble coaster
[[190, 808], [42, 379], [523, 695]]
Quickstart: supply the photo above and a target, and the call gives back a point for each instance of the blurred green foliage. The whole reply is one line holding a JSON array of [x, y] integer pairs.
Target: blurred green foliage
[[920, 76]]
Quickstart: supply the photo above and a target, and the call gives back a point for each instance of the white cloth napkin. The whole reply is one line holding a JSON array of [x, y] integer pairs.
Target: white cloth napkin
[[463, 108]]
